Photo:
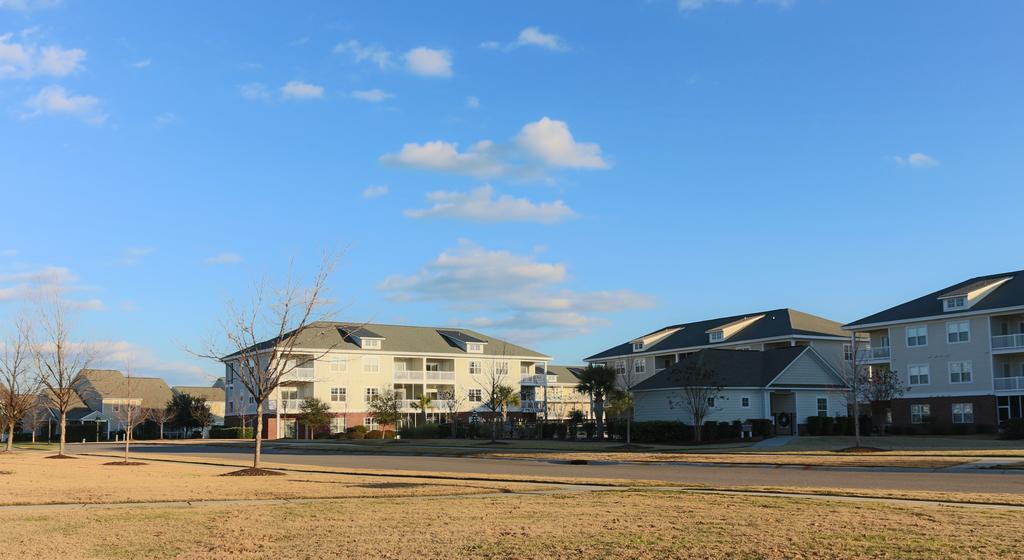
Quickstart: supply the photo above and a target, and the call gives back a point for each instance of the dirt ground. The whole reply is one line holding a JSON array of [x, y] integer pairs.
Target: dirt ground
[[616, 524]]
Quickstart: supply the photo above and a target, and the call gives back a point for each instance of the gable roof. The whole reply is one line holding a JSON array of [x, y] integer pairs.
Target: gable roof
[[565, 374], [399, 338], [211, 394], [1009, 294], [112, 384], [733, 368], [777, 323]]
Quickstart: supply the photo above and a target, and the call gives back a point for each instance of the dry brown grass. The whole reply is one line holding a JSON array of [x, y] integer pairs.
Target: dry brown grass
[[626, 524], [33, 479], [816, 460]]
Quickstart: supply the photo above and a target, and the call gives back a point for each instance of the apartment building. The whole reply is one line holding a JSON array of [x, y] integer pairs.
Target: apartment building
[[646, 355], [346, 366], [959, 351], [560, 394], [105, 395]]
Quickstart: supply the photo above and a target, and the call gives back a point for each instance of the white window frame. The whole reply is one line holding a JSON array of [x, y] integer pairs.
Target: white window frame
[[339, 365], [474, 347], [474, 367], [501, 367], [817, 405], [745, 402], [338, 424], [716, 336], [955, 302], [478, 393], [369, 393], [906, 338], [965, 415], [371, 343], [371, 364], [339, 392], [847, 352], [371, 423], [620, 367], [959, 333], [640, 366], [638, 346], [961, 367], [924, 411], [927, 374]]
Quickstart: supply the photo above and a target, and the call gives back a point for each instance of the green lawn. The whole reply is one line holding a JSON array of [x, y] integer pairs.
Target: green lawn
[[40, 446]]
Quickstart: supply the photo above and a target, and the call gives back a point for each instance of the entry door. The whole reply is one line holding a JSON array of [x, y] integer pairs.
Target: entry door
[[288, 428]]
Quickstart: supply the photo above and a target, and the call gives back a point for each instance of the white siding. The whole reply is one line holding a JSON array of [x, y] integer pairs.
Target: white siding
[[668, 404], [806, 370], [807, 403]]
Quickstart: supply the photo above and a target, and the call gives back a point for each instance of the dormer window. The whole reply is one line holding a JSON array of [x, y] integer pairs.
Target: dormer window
[[475, 347], [716, 336], [638, 346], [371, 343], [956, 302]]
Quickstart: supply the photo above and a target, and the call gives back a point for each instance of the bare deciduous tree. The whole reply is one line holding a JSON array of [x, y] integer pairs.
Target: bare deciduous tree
[[260, 340], [19, 383], [35, 418], [452, 402], [60, 361], [492, 384], [699, 387], [160, 415], [129, 412]]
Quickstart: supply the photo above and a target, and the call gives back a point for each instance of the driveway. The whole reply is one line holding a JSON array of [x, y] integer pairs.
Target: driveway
[[711, 475]]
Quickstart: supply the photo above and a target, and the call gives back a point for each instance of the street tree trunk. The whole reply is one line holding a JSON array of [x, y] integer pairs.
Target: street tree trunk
[[63, 432], [10, 436], [257, 448], [599, 418]]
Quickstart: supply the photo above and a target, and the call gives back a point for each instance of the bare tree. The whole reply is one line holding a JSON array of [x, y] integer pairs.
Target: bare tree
[[880, 387], [129, 412], [160, 415], [19, 384], [624, 400], [386, 409], [35, 418], [699, 387], [452, 402], [261, 340], [492, 384], [60, 361]]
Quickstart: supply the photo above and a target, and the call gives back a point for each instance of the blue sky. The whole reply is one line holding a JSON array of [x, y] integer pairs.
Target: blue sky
[[568, 175]]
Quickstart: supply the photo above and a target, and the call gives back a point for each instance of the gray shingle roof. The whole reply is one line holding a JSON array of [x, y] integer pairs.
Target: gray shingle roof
[[401, 338], [775, 323], [565, 374], [112, 384], [1009, 294], [211, 394], [460, 336], [732, 368]]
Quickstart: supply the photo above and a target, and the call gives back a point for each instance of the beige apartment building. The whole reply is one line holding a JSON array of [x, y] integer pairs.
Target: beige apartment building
[[959, 352], [347, 365]]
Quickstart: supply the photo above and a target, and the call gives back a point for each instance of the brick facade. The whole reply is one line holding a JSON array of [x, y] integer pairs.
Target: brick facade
[[942, 412]]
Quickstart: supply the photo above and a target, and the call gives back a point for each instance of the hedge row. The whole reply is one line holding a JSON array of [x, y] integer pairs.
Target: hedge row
[[237, 432]]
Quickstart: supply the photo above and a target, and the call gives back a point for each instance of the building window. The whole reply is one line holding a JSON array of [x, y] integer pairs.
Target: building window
[[371, 343], [231, 406], [338, 365], [958, 331], [524, 369], [337, 424], [716, 336], [822, 406], [638, 346], [371, 393], [711, 402], [848, 352], [476, 395], [745, 402], [960, 372], [917, 336], [958, 302], [620, 367], [371, 364], [963, 413], [474, 367], [370, 423], [474, 347], [337, 394], [639, 366], [501, 368], [919, 374], [919, 413]]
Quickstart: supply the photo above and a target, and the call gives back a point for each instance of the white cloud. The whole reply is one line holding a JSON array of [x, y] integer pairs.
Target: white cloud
[[254, 91], [375, 191], [55, 100], [478, 161], [472, 102], [434, 63], [224, 258], [360, 53], [93, 304], [47, 281], [134, 255], [534, 37], [540, 146], [480, 205], [916, 159], [372, 95], [551, 141], [118, 354], [691, 5], [301, 90], [28, 5], [490, 45], [9, 252], [509, 292], [140, 64], [165, 119], [27, 59]]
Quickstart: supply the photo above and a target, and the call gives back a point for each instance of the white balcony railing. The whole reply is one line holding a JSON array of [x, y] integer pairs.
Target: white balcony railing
[[440, 376], [291, 405], [538, 379], [408, 375], [875, 353], [1009, 383], [299, 374], [532, 406], [1008, 341]]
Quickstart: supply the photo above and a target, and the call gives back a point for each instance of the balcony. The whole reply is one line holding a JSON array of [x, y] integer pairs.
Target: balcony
[[537, 379], [1008, 342], [532, 406], [289, 406], [408, 375], [440, 375], [1009, 383], [298, 374], [874, 354]]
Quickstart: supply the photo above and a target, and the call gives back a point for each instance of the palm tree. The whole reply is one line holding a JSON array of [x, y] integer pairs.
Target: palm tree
[[505, 397], [422, 404], [598, 382]]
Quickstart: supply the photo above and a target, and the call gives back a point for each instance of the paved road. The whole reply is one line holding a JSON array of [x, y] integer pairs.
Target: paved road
[[786, 477]]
